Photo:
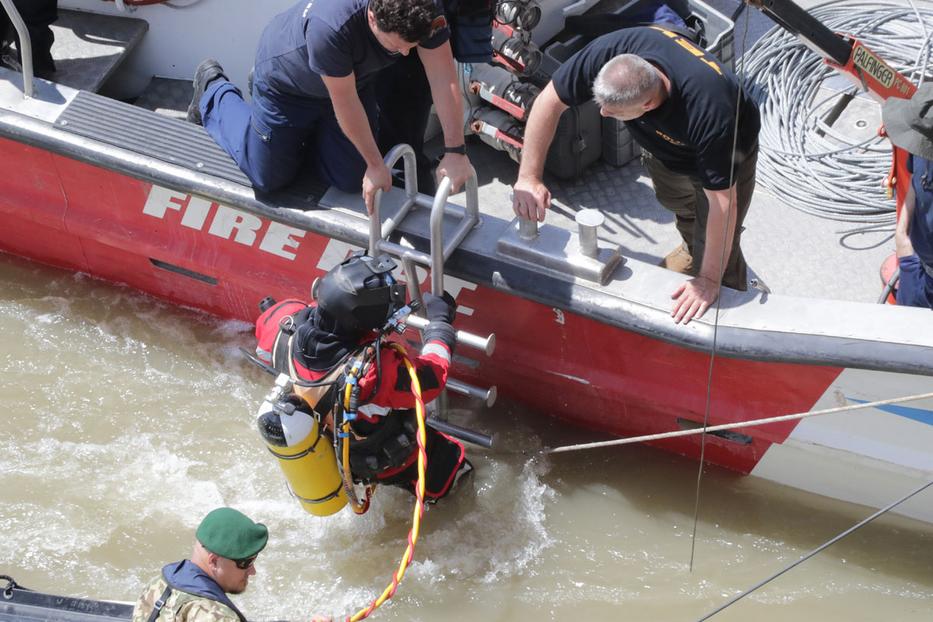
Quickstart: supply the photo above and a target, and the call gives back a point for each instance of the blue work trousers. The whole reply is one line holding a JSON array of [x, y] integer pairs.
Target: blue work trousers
[[915, 286], [279, 136]]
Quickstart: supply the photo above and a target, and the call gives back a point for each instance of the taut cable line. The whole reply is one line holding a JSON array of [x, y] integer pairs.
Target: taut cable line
[[738, 424], [821, 547]]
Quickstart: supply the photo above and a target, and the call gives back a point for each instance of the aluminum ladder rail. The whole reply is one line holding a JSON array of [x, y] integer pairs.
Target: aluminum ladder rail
[[24, 45], [440, 251]]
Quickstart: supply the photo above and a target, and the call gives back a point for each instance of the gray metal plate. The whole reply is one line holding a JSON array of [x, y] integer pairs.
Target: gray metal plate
[[145, 132]]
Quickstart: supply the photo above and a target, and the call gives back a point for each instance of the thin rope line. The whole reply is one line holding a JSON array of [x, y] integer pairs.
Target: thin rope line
[[738, 424], [823, 546], [733, 199]]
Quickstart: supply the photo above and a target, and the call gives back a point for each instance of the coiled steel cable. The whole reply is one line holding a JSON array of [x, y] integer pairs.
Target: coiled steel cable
[[802, 159]]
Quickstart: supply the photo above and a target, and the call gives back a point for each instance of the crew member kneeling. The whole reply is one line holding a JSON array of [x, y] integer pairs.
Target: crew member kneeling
[[318, 342]]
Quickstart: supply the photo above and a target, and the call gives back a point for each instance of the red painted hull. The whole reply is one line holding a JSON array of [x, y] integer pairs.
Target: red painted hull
[[75, 215]]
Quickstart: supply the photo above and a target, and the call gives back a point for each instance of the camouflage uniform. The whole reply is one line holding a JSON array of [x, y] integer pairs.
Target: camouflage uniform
[[180, 606]]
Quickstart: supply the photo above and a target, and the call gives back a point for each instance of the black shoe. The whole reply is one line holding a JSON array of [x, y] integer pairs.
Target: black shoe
[[208, 71]]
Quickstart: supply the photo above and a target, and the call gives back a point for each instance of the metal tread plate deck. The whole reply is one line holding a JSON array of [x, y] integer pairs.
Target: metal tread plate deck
[[154, 135], [89, 47]]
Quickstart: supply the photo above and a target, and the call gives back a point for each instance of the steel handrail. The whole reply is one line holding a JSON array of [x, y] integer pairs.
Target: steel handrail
[[440, 251], [24, 45], [377, 230]]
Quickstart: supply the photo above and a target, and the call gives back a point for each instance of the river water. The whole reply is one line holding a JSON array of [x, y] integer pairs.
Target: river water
[[126, 420]]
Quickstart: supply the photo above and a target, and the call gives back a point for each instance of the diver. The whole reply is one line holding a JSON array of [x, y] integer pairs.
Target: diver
[[344, 329]]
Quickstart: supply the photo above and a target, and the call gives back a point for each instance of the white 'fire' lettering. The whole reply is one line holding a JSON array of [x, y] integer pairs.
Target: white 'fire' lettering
[[227, 223]]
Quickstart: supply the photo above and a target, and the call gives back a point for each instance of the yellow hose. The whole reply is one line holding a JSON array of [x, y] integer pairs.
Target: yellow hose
[[418, 512], [359, 507]]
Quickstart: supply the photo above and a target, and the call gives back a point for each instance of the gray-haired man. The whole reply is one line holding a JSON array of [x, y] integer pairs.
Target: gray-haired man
[[682, 106]]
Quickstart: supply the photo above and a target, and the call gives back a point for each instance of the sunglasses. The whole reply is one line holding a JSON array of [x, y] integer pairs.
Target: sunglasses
[[245, 564]]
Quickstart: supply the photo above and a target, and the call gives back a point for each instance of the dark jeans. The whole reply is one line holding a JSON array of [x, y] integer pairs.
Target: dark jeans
[[684, 196], [278, 136], [915, 286]]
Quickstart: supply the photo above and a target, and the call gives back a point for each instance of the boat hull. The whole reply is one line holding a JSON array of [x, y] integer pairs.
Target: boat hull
[[191, 250]]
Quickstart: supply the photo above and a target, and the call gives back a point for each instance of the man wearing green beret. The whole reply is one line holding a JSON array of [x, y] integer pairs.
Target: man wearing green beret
[[196, 590]]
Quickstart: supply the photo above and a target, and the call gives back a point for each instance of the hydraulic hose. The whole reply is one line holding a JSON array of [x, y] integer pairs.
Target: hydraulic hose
[[418, 510], [803, 159]]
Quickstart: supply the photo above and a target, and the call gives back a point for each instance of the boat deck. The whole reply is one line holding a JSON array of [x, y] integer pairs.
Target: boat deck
[[791, 252]]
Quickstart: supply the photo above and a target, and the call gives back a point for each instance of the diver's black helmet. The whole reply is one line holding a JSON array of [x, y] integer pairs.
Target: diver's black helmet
[[360, 294]]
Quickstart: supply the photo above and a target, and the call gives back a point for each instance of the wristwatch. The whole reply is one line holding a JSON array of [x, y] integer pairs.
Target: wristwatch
[[459, 149]]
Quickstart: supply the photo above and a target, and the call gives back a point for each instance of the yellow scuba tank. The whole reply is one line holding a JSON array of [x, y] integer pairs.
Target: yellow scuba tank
[[305, 454]]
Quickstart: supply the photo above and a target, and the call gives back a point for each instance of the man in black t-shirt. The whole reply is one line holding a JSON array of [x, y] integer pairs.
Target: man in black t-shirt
[[683, 107], [313, 93]]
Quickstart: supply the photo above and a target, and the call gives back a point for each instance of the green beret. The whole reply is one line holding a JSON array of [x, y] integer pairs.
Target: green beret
[[232, 534]]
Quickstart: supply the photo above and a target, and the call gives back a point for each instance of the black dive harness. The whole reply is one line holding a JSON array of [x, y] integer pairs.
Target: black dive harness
[[375, 446]]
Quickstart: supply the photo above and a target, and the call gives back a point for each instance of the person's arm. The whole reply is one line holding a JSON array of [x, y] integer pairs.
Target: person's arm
[[431, 365], [351, 116], [902, 244], [445, 90], [531, 198], [693, 298]]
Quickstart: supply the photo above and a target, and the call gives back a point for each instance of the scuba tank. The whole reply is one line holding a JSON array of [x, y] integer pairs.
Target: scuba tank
[[294, 435]]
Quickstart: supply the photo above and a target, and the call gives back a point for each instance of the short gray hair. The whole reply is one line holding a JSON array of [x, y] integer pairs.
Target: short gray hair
[[625, 80]]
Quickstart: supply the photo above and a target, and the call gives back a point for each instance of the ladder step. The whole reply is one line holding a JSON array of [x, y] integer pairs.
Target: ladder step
[[89, 47]]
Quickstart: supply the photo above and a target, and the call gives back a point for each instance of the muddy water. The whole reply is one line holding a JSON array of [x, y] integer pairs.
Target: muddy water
[[126, 420]]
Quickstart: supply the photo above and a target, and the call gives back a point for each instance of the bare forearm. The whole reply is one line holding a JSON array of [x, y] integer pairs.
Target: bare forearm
[[449, 107], [539, 132], [720, 231], [441, 71], [351, 116]]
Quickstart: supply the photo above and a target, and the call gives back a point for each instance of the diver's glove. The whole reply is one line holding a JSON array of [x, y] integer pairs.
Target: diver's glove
[[440, 311], [439, 308]]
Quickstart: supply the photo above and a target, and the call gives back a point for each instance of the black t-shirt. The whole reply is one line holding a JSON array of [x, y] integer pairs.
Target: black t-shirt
[[692, 131], [325, 38]]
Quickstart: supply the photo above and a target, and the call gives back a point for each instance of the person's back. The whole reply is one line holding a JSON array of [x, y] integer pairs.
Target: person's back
[[692, 130], [921, 226], [324, 38], [909, 125]]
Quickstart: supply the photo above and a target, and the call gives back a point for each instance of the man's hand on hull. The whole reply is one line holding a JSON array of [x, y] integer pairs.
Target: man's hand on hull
[[693, 298]]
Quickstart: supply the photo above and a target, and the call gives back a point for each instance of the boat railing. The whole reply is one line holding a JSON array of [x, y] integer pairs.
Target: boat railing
[[24, 45], [440, 249]]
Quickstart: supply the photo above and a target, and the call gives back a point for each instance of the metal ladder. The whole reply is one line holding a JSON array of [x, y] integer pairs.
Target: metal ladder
[[440, 251], [25, 45]]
